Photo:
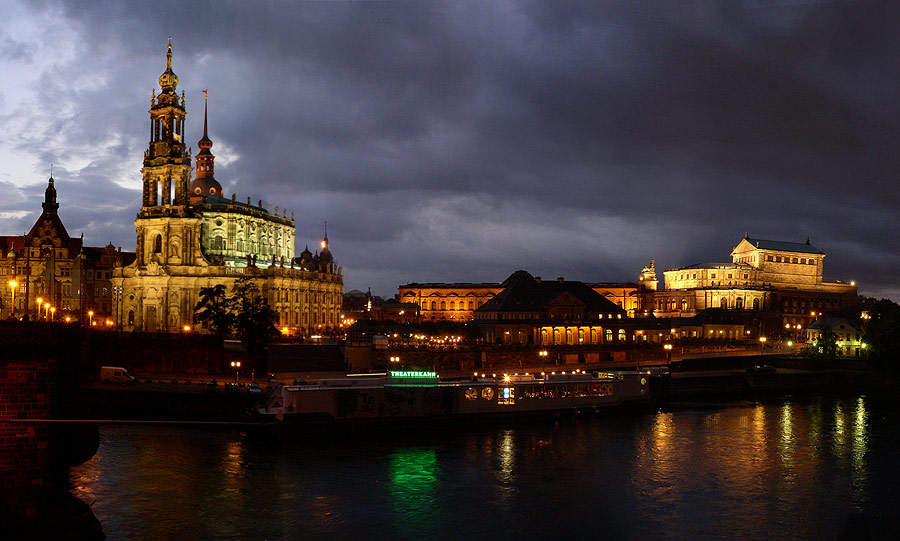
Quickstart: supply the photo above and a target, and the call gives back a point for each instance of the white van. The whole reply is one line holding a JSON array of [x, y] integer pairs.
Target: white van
[[115, 374]]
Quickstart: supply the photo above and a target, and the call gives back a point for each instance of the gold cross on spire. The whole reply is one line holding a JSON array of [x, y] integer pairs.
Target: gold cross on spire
[[206, 94]]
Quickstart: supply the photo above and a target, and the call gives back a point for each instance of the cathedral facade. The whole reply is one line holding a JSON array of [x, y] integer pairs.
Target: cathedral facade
[[190, 237]]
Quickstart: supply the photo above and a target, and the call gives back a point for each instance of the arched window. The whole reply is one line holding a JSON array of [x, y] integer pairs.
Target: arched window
[[684, 305], [621, 335], [723, 303], [609, 335], [443, 305], [756, 304], [157, 245], [471, 305], [131, 317], [739, 303], [452, 305], [433, 305]]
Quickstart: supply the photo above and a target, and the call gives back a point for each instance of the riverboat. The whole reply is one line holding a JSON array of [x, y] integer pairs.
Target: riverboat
[[405, 394]]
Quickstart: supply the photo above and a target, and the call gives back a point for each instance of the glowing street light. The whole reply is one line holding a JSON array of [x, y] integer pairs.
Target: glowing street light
[[762, 344], [237, 367], [52, 312], [46, 310], [40, 302], [90, 317], [12, 285]]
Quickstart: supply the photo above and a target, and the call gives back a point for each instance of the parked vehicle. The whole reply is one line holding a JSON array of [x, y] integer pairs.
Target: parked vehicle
[[761, 369], [115, 374], [253, 388]]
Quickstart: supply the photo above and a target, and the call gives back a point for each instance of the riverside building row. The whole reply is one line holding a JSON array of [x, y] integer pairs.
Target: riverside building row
[[771, 286]]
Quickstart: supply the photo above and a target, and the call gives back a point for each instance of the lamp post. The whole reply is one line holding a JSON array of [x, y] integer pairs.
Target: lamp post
[[46, 311], [90, 318], [40, 302], [52, 312], [668, 348], [237, 367], [12, 308], [762, 344], [543, 355]]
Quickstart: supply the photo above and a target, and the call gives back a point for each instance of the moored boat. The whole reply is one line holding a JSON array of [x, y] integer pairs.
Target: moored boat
[[405, 394]]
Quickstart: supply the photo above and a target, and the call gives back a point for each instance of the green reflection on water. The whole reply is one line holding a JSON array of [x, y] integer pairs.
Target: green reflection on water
[[413, 487]]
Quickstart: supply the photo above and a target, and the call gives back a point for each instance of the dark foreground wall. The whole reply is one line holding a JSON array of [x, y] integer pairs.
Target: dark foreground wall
[[39, 366]]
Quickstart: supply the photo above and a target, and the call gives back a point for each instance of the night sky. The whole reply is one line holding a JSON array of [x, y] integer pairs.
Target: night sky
[[461, 141]]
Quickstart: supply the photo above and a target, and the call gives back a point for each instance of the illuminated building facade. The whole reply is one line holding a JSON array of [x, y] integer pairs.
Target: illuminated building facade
[[189, 237], [448, 301], [533, 312], [458, 301], [784, 278], [848, 336], [46, 263]]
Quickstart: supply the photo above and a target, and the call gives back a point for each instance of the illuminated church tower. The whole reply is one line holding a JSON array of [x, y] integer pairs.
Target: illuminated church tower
[[167, 228], [189, 238]]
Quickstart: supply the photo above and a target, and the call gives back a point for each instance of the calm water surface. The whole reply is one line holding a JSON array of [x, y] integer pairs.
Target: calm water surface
[[786, 468]]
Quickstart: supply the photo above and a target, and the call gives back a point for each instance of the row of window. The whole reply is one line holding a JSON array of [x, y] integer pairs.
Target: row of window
[[461, 305], [786, 259]]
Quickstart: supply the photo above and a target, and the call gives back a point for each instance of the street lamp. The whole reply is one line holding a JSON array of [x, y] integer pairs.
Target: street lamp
[[395, 359], [668, 348], [46, 310], [237, 367], [12, 285], [52, 313], [40, 302], [762, 344], [90, 317]]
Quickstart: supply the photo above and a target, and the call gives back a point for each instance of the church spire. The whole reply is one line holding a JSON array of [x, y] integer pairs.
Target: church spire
[[204, 182], [50, 204]]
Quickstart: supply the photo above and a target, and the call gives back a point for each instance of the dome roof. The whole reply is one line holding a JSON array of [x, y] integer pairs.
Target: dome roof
[[206, 186]]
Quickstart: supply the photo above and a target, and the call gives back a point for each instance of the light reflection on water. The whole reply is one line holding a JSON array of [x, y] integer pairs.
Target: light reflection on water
[[789, 468]]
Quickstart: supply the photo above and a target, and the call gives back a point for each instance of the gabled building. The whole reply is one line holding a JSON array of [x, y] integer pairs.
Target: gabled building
[[70, 279], [847, 335], [530, 311]]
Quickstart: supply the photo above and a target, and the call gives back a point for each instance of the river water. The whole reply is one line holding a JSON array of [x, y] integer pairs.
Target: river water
[[795, 468]]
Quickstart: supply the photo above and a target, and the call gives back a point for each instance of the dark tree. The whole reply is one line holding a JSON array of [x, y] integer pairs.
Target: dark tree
[[254, 319], [213, 309]]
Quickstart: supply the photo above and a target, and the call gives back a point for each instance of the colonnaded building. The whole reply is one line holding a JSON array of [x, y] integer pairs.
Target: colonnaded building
[[190, 237]]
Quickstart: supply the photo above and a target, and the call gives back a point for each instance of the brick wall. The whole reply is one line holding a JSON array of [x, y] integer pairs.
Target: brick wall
[[37, 381]]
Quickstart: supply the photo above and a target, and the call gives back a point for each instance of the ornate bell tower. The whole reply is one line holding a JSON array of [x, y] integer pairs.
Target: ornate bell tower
[[167, 163], [167, 227]]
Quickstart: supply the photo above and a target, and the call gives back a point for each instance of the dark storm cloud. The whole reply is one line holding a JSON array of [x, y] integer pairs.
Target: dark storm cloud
[[460, 141]]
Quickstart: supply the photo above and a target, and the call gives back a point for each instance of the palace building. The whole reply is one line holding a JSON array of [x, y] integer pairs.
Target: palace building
[[190, 237]]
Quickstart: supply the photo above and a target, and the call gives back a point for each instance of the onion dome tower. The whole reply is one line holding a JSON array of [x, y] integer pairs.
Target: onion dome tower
[[204, 182]]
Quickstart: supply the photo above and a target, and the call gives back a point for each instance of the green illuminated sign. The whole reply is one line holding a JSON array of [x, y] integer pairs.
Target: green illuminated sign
[[412, 374]]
